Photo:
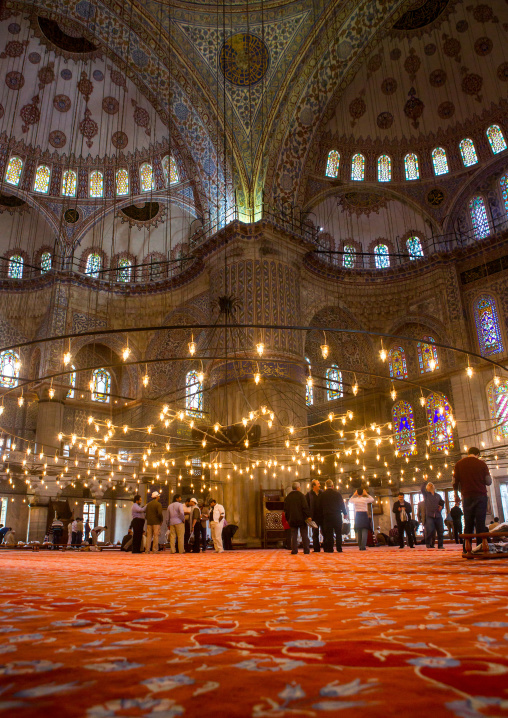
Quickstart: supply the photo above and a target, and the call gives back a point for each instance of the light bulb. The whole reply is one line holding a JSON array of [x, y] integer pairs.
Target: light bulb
[[21, 401], [1, 410], [257, 377], [469, 371], [260, 348], [145, 380], [382, 354], [393, 394], [216, 427], [354, 389], [422, 401], [497, 380], [309, 381], [432, 364], [192, 348], [201, 377], [325, 351], [51, 393], [67, 358], [125, 353]]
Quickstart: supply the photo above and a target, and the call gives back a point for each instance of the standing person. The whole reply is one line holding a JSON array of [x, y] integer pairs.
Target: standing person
[[87, 531], [312, 497], [195, 524], [421, 518], [57, 529], [96, 532], [79, 530], [456, 514], [297, 513], [217, 516], [433, 519], [74, 532], [402, 511], [471, 476], [154, 518], [176, 520], [205, 515], [3, 532], [187, 511], [137, 523], [361, 500], [330, 509]]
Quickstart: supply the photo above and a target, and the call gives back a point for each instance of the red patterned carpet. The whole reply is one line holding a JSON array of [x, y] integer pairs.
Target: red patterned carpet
[[253, 633]]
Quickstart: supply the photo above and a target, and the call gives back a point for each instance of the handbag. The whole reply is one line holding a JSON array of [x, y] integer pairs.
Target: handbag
[[346, 528]]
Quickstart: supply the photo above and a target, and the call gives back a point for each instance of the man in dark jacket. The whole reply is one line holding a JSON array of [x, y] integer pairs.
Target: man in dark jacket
[[456, 514], [312, 497], [154, 517], [402, 511], [330, 509], [472, 476], [297, 512], [433, 519]]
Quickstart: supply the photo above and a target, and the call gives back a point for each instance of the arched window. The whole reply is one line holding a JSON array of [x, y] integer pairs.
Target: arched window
[[96, 184], [42, 177], [334, 388], [124, 270], [332, 164], [479, 218], [122, 182], [309, 389], [46, 260], [397, 363], [468, 152], [72, 382], [384, 168], [404, 425], [9, 369], [349, 257], [13, 173], [358, 168], [146, 177], [487, 325], [427, 355], [101, 385], [496, 139], [15, 268], [414, 247], [170, 170], [69, 183], [439, 420], [93, 265], [193, 394], [497, 393], [440, 161], [411, 166], [381, 256], [504, 191]]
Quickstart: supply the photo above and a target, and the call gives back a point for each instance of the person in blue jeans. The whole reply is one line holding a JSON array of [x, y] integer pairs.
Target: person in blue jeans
[[433, 519], [471, 476], [361, 500]]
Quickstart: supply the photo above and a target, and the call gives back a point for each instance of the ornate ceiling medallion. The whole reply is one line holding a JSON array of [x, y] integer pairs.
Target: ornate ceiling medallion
[[244, 59]]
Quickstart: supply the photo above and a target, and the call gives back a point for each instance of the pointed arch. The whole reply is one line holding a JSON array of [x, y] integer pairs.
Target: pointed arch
[[496, 139], [397, 363], [42, 178], [332, 164], [384, 168], [479, 218], [468, 152], [428, 359], [14, 169], [440, 161], [334, 386], [9, 369], [497, 394], [411, 166], [193, 394], [404, 426], [100, 385], [358, 167], [440, 424], [487, 325]]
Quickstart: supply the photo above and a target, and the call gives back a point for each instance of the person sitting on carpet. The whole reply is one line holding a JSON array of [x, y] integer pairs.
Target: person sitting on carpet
[[494, 524], [10, 539], [127, 541]]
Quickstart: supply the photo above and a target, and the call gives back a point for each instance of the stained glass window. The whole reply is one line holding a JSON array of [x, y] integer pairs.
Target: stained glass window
[[334, 389], [381, 256], [46, 260], [13, 173], [72, 382], [504, 191], [439, 419], [309, 389], [124, 270], [15, 269], [411, 166], [358, 168], [427, 355], [96, 184], [332, 164], [349, 256], [170, 170], [101, 385], [468, 152], [147, 178], [404, 425], [440, 161], [42, 177], [69, 183], [9, 369], [498, 404], [397, 363], [414, 247], [496, 139], [93, 265], [487, 325], [479, 218], [384, 168], [193, 394], [122, 182]]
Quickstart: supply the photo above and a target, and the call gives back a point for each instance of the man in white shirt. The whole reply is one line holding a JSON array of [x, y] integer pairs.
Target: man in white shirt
[[96, 532], [217, 516]]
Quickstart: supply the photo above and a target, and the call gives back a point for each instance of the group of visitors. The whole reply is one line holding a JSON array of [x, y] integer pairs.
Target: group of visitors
[[185, 521]]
